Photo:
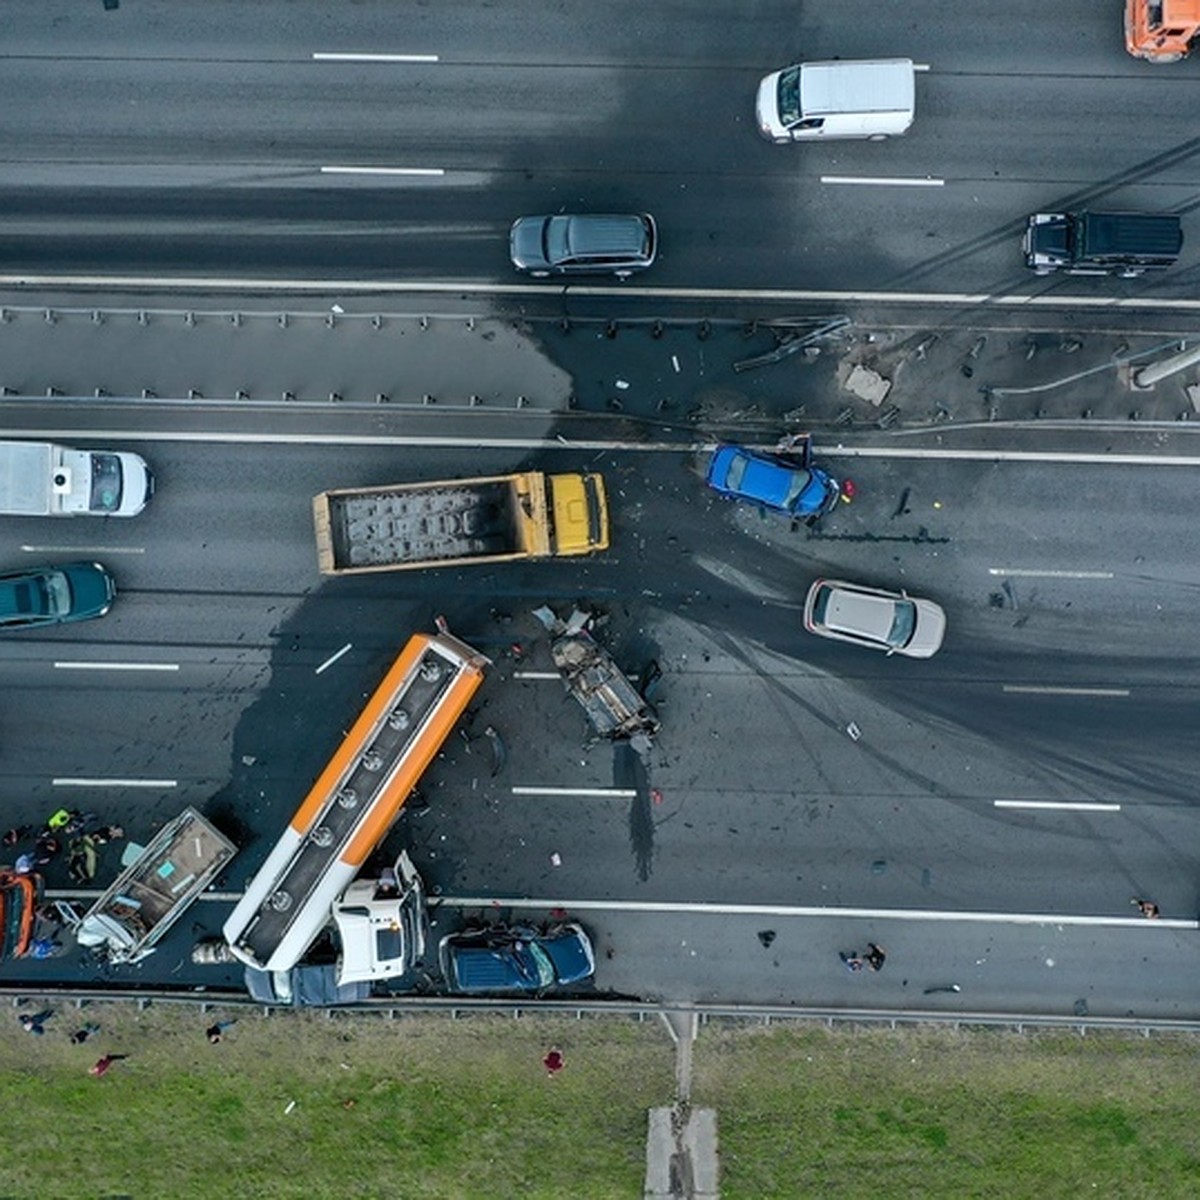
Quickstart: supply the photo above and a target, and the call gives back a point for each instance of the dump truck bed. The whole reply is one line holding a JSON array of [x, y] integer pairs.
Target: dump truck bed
[[422, 524]]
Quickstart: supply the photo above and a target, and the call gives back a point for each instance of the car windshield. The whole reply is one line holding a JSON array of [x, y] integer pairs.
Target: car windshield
[[106, 483], [904, 622], [737, 468], [789, 96], [554, 240], [541, 961], [796, 487]]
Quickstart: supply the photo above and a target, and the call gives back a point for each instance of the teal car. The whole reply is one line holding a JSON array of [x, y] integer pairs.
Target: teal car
[[74, 591]]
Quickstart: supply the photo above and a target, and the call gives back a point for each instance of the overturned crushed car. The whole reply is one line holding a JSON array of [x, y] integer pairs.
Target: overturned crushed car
[[615, 709]]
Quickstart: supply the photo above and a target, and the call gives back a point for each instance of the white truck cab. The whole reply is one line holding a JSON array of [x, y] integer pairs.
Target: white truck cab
[[381, 925], [42, 479], [829, 100]]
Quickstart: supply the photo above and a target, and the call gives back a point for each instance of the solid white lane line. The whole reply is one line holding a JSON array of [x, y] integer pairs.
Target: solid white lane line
[[115, 666], [783, 910], [885, 181], [891, 451], [1033, 689], [1066, 805], [77, 550], [337, 56], [382, 171], [536, 675], [486, 287], [605, 793], [1031, 573], [333, 658], [83, 781]]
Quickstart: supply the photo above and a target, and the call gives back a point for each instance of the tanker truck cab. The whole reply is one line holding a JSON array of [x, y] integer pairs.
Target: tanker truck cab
[[830, 100]]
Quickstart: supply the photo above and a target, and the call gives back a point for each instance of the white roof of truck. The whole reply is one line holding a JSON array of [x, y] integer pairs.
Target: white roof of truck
[[883, 85], [24, 477]]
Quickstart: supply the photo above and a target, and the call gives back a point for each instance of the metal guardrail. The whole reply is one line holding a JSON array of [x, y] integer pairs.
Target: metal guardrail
[[460, 1006]]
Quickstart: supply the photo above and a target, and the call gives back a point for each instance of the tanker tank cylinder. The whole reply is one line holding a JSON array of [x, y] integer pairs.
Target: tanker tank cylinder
[[322, 836], [373, 761], [347, 798], [399, 719], [280, 902]]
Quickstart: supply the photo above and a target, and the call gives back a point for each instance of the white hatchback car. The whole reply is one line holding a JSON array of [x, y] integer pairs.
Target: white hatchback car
[[890, 621]]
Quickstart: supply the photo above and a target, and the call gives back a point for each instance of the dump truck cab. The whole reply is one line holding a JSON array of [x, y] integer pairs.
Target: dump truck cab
[[1161, 31]]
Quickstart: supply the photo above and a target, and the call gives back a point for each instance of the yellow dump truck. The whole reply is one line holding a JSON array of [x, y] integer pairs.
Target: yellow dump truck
[[494, 518]]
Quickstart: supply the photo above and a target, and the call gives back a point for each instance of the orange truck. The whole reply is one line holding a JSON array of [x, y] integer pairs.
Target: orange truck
[[1161, 31]]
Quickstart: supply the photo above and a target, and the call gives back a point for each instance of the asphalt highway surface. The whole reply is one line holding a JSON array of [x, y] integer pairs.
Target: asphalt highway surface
[[234, 140], [1040, 764], [986, 815]]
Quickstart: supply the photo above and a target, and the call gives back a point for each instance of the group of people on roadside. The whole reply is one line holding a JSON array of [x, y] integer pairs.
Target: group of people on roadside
[[35, 1023], [80, 834]]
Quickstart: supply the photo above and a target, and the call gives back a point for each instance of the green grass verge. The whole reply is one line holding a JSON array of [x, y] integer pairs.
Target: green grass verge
[[440, 1108], [433, 1107], [803, 1111]]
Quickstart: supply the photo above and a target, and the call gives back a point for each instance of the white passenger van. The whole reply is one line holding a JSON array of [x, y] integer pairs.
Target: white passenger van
[[817, 100]]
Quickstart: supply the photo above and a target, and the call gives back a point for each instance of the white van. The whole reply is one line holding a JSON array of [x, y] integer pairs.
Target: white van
[[816, 100]]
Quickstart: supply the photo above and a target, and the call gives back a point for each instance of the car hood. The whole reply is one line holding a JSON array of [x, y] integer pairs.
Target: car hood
[[571, 954], [931, 628], [525, 242], [92, 589]]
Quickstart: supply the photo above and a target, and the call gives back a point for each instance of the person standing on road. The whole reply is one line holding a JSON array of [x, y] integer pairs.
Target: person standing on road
[[1147, 908], [853, 961], [875, 956]]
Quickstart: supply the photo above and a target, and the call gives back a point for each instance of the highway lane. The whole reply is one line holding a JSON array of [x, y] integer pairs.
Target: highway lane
[[185, 148], [759, 778]]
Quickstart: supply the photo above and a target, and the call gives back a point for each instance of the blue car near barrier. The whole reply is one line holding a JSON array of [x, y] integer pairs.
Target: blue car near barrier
[[787, 483], [516, 958]]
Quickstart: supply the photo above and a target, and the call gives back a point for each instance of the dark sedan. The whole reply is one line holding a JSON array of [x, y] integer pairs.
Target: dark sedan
[[74, 591]]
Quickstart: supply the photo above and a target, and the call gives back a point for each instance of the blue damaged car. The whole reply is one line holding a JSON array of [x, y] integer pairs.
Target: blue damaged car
[[516, 958], [788, 484]]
